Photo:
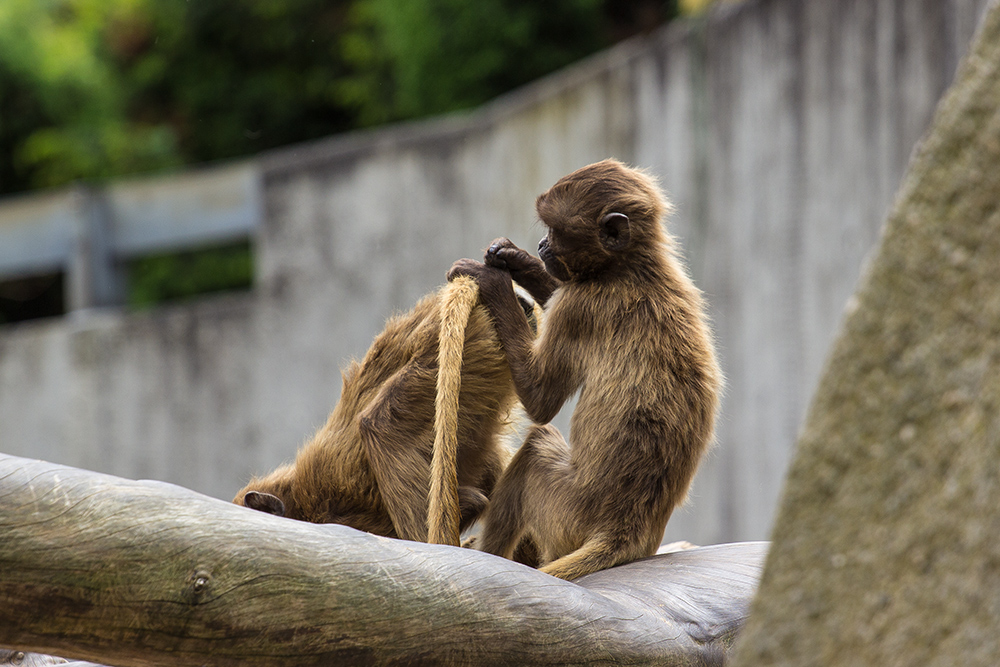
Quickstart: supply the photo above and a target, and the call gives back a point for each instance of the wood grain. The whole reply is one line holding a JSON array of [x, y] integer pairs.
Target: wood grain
[[100, 568]]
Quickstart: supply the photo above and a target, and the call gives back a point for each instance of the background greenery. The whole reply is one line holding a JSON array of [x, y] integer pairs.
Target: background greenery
[[92, 89]]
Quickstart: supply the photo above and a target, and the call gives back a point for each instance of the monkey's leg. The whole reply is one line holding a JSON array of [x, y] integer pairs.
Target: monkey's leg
[[536, 499], [614, 545], [504, 524], [536, 467], [597, 553], [493, 464], [473, 499], [390, 429], [526, 552]]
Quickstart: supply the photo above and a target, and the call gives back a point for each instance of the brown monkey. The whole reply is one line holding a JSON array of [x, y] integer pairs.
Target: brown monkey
[[626, 327], [369, 467]]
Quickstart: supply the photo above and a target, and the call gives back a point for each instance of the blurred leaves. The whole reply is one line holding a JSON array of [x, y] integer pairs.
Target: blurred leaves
[[62, 102], [91, 89], [180, 275], [422, 57]]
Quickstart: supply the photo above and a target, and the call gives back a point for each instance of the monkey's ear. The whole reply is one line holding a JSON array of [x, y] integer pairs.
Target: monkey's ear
[[264, 502], [614, 232]]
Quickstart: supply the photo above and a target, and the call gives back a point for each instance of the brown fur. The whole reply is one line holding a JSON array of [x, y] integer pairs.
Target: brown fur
[[626, 327], [369, 467]]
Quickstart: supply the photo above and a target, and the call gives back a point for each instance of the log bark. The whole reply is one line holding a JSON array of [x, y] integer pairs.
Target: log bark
[[124, 572]]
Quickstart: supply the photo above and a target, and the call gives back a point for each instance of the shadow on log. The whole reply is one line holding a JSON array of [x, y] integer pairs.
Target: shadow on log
[[105, 569]]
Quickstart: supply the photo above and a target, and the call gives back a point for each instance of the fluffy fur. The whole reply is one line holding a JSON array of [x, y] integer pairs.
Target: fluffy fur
[[369, 467], [624, 326]]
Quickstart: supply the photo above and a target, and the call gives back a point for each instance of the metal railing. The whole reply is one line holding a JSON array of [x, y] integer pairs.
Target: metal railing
[[89, 232]]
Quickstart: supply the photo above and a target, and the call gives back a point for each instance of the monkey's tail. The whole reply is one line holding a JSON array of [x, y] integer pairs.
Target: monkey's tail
[[443, 515]]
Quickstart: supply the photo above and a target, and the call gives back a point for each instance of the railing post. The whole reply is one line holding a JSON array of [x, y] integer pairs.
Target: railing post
[[94, 278]]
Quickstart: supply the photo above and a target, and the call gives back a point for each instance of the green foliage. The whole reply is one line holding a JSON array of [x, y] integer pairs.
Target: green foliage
[[234, 78], [178, 276], [62, 103], [422, 57], [91, 89]]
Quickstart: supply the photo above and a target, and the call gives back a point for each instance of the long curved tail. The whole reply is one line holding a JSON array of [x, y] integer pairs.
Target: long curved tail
[[443, 516]]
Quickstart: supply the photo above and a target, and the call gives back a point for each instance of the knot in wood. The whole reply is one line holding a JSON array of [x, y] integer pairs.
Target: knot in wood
[[198, 584], [9, 657]]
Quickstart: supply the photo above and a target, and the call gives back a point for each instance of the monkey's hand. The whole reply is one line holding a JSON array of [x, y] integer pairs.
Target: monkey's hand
[[503, 254], [496, 291], [489, 278], [527, 270]]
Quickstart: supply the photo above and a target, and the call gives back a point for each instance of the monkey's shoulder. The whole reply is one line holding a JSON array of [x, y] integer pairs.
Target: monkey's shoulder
[[596, 308]]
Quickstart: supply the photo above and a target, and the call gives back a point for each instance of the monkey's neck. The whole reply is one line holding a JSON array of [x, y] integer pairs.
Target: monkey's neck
[[639, 269]]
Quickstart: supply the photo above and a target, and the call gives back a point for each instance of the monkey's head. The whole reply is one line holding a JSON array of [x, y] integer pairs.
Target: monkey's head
[[598, 216], [289, 493]]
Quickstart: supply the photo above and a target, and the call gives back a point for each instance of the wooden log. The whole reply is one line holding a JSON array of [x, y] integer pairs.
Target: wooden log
[[99, 568], [21, 659]]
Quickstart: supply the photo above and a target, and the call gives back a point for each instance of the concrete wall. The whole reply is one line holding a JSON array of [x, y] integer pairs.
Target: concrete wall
[[780, 128]]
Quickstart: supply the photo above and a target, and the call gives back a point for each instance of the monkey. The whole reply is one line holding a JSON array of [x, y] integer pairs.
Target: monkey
[[370, 465], [626, 327]]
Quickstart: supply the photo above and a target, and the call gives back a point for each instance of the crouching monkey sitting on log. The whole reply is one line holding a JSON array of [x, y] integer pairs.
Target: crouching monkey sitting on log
[[370, 466], [626, 327]]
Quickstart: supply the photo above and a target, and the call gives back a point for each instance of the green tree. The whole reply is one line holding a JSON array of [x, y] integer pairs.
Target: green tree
[[63, 108], [234, 78], [91, 89], [412, 59]]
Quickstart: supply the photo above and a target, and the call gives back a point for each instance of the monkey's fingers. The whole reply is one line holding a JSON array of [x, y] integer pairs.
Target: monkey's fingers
[[514, 260], [498, 252]]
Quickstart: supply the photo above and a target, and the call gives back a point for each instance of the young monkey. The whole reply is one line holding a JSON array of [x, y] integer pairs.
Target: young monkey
[[626, 327]]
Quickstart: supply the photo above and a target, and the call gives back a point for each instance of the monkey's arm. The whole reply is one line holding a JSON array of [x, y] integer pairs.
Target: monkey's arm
[[542, 382], [526, 270]]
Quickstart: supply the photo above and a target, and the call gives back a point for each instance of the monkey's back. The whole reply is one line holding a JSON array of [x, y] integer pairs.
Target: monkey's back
[[410, 341], [653, 365]]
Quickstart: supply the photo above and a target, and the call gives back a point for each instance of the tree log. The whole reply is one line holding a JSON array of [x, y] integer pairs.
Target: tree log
[[100, 568]]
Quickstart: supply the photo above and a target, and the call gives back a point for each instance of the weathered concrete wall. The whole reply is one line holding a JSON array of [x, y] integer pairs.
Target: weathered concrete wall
[[780, 129]]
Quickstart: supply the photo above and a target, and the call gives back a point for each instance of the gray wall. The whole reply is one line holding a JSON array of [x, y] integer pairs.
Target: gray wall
[[780, 129]]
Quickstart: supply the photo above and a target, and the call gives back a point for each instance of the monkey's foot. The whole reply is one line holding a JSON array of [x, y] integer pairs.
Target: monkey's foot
[[682, 545]]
